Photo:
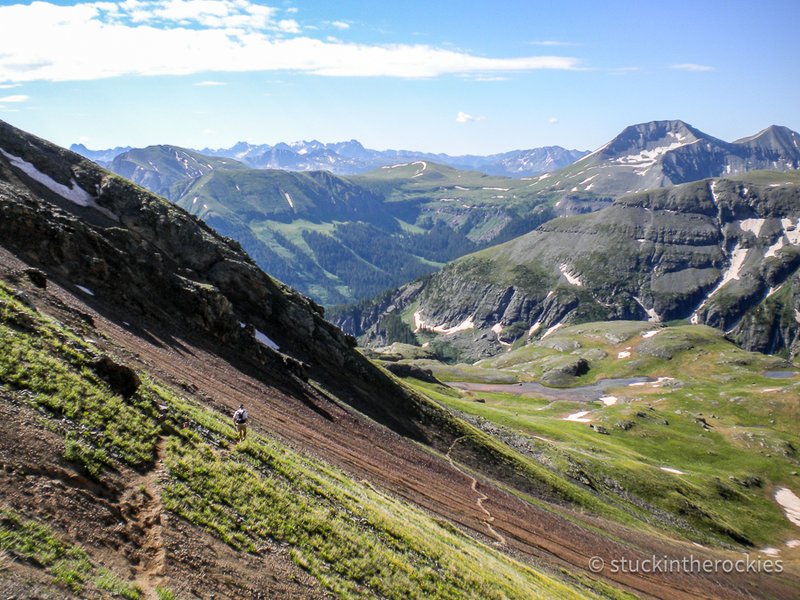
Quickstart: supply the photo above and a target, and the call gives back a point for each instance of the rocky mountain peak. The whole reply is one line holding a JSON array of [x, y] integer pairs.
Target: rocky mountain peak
[[648, 136]]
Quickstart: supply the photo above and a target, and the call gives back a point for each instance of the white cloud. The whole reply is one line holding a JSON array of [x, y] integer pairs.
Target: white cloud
[[180, 37], [209, 83], [208, 131], [17, 98], [9, 85], [83, 139], [552, 120], [691, 67], [463, 117], [340, 24]]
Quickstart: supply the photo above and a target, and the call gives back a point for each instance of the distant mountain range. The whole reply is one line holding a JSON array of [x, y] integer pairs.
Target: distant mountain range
[[350, 158], [101, 157], [342, 239]]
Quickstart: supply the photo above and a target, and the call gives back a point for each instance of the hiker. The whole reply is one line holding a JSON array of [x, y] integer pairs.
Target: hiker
[[240, 422]]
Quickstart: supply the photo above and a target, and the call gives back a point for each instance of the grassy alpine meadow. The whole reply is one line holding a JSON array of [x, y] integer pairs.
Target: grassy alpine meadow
[[53, 366], [357, 541], [698, 431]]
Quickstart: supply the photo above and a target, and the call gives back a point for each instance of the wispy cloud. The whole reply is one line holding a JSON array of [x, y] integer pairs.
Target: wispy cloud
[[181, 37], [17, 98], [7, 86], [340, 24], [209, 83], [463, 117], [691, 67], [552, 120]]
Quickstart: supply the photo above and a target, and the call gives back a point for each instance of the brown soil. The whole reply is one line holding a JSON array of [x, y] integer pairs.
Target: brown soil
[[132, 528]]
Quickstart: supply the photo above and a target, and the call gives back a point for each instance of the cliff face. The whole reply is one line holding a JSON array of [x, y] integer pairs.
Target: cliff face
[[721, 252]]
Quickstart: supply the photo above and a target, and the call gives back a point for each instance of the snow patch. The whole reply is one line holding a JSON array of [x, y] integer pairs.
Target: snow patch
[[790, 504], [74, 193], [497, 330], [752, 225], [422, 170], [571, 277], [419, 324], [85, 290], [738, 257], [624, 354], [772, 290], [263, 339], [608, 400], [288, 199], [463, 326], [671, 470], [793, 543], [497, 189], [651, 333], [713, 189], [578, 417], [552, 329], [773, 250], [652, 315], [534, 328], [550, 293], [791, 231], [769, 551], [647, 158]]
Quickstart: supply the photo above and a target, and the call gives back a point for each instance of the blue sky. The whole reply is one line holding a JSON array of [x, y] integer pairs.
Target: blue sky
[[444, 76]]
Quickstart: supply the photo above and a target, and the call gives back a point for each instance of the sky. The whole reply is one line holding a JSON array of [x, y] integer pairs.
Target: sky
[[461, 77]]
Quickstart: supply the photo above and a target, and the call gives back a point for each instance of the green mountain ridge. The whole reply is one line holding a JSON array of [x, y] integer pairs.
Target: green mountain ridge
[[342, 239], [721, 252]]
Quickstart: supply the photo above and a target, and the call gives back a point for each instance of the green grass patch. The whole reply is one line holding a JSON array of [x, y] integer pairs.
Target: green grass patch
[[69, 566], [42, 357]]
